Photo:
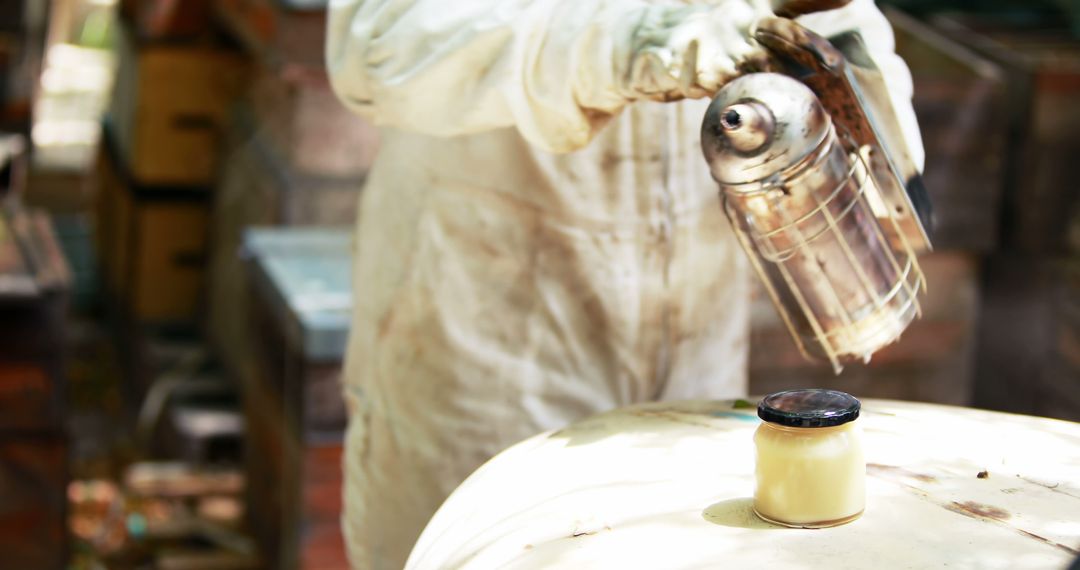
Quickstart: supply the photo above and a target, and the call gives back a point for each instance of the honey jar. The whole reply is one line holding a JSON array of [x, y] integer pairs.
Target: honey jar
[[810, 471]]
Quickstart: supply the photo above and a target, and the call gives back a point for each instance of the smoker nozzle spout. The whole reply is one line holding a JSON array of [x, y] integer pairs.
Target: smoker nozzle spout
[[748, 126]]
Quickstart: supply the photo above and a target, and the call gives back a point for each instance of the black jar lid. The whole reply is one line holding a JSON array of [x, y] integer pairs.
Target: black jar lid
[[809, 408]]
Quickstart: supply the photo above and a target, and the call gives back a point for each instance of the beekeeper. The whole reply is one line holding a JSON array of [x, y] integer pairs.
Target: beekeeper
[[539, 238]]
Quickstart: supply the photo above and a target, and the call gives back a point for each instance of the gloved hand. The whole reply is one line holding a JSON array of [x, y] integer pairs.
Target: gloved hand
[[686, 51], [690, 51]]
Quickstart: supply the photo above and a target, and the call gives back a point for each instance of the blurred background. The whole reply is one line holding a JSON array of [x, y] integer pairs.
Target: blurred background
[[179, 189]]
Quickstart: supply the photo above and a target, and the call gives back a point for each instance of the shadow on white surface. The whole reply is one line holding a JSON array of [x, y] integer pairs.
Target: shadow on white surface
[[737, 513]]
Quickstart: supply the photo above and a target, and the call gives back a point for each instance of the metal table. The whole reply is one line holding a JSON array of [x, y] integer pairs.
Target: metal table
[[669, 485]]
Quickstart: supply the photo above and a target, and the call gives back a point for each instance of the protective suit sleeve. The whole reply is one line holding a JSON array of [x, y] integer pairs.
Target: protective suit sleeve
[[555, 69], [862, 16]]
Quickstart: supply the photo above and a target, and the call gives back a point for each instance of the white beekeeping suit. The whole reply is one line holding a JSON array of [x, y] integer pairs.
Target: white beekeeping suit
[[539, 238]]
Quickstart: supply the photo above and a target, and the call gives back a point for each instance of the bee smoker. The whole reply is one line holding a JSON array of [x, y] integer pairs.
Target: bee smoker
[[821, 191]]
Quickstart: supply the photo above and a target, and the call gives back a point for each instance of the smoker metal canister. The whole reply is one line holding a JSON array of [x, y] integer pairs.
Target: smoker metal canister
[[808, 212]]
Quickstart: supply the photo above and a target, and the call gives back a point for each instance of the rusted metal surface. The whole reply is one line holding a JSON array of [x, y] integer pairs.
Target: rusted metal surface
[[946, 486]]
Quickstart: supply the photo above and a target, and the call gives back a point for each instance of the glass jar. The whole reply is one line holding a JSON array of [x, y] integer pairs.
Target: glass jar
[[810, 467]]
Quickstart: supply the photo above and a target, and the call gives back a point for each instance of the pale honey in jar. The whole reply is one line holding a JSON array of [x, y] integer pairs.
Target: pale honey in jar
[[810, 472]]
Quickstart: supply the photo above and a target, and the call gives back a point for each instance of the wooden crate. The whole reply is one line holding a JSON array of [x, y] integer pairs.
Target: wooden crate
[[293, 459], [1041, 64], [21, 53], [12, 15], [296, 155], [1059, 383], [107, 188], [1025, 359], [152, 241], [9, 53], [168, 19], [31, 375], [959, 99], [293, 492], [1029, 336], [290, 32], [34, 285], [169, 108], [33, 501], [261, 187], [306, 126], [296, 419], [33, 449]]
